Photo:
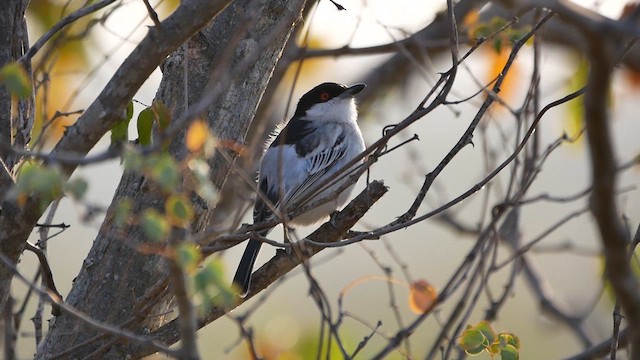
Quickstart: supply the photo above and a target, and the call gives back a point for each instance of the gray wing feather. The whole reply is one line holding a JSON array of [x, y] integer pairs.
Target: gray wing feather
[[319, 165]]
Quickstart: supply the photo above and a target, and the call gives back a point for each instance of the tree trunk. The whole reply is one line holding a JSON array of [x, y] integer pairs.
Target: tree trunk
[[16, 121], [116, 280]]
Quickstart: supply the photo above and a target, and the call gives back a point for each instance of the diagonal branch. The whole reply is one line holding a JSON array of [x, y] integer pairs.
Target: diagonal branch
[[108, 107], [281, 263]]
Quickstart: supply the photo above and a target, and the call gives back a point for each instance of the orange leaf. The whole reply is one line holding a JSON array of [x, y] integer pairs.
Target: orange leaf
[[197, 135], [472, 18], [422, 297], [497, 62], [471, 23], [234, 146]]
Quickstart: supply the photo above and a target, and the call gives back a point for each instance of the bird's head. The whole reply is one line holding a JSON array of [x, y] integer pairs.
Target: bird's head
[[329, 102]]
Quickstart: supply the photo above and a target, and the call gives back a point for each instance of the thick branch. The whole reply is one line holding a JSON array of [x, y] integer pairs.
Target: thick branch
[[603, 172], [100, 116]]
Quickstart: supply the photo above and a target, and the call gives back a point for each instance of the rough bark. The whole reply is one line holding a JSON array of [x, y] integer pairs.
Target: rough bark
[[7, 23], [16, 123], [115, 277], [16, 120]]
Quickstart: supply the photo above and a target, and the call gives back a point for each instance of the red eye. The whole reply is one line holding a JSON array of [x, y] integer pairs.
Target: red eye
[[324, 96]]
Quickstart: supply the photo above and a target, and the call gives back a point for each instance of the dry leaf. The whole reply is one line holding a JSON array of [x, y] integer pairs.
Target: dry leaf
[[197, 135], [422, 297]]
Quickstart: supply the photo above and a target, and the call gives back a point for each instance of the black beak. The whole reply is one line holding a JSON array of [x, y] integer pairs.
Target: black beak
[[352, 91]]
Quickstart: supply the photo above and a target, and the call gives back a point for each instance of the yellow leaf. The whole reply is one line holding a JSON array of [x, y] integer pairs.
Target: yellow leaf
[[471, 18], [197, 135], [16, 79], [471, 22], [162, 114], [574, 119], [65, 76], [188, 255], [422, 297]]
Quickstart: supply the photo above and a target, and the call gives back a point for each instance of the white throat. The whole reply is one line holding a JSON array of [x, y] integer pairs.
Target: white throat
[[336, 109]]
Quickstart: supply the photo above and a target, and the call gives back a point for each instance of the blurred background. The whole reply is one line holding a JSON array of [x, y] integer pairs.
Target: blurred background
[[286, 324]]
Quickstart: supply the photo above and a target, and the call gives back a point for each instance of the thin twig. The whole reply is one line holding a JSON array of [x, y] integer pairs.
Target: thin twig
[[80, 13], [47, 275], [152, 14], [186, 317]]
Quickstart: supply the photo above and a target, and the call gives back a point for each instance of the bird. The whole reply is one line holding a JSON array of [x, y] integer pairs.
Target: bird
[[321, 138]]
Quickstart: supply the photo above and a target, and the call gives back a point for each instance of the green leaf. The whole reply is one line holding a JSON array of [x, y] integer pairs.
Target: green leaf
[[120, 131], [26, 175], [574, 121], [161, 168], [179, 211], [155, 225], [206, 276], [129, 111], [497, 23], [482, 31], [162, 114], [133, 160], [211, 288], [486, 330], [35, 179], [509, 339], [145, 125], [472, 341], [509, 352], [122, 212], [76, 188], [16, 79], [497, 45], [517, 34], [494, 349], [188, 256], [164, 171]]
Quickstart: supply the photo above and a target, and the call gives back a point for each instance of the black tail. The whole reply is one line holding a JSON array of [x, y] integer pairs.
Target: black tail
[[242, 279]]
